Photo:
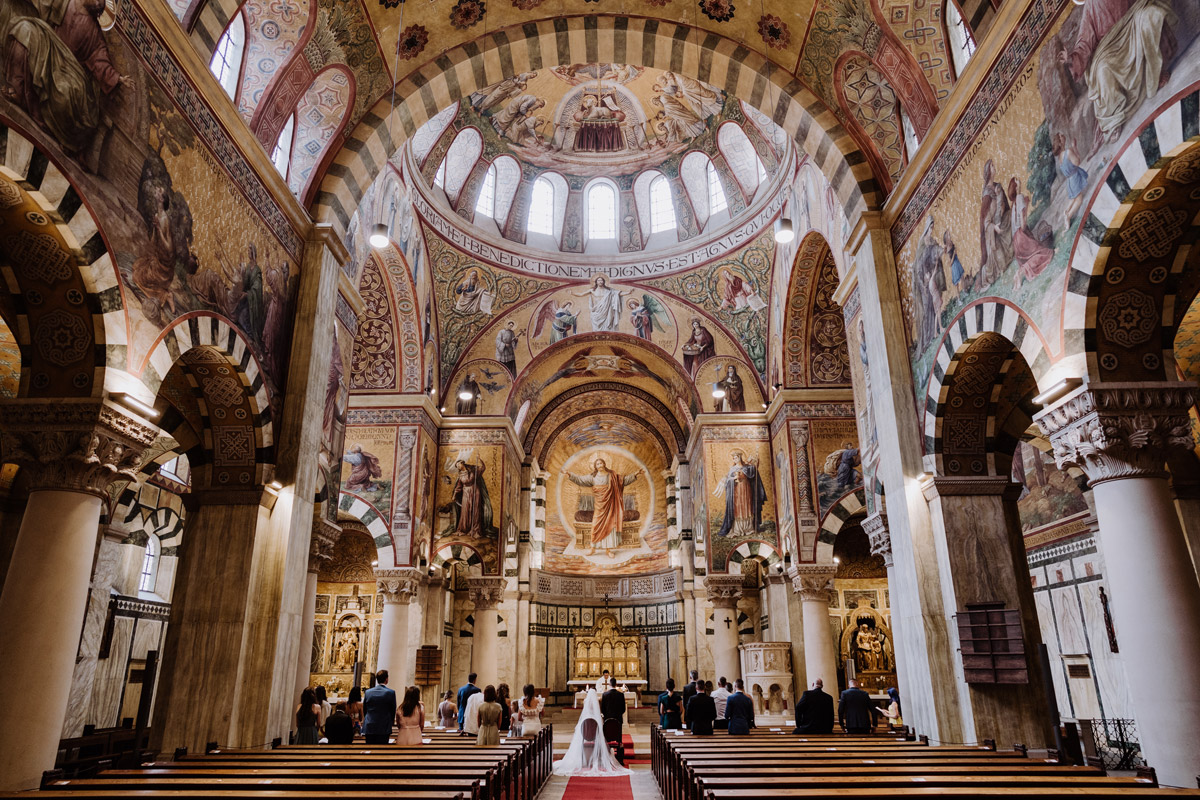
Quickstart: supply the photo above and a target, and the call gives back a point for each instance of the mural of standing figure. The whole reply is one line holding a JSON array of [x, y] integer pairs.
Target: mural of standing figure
[[605, 303], [563, 321], [645, 314], [506, 346], [467, 399], [364, 469], [608, 515], [471, 505], [744, 495], [734, 398], [699, 347], [995, 228]]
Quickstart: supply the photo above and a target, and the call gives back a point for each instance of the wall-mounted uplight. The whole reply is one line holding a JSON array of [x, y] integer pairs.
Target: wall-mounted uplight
[[1057, 390], [275, 485], [464, 395], [379, 236], [718, 394], [374, 563], [134, 404]]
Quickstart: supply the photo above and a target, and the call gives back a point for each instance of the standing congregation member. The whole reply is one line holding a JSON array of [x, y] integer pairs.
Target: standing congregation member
[[739, 711], [502, 697], [612, 706], [464, 694], [487, 719], [892, 712], [379, 710], [447, 711], [814, 711], [323, 701], [689, 691], [354, 708], [410, 718], [670, 705], [339, 728], [701, 712], [719, 697], [856, 714], [308, 718], [529, 712]]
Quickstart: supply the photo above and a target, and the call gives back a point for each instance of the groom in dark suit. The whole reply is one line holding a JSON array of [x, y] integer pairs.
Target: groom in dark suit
[[612, 706]]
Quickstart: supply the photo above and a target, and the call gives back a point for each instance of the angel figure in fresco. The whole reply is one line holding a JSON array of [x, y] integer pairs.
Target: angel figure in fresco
[[563, 321], [674, 122], [470, 506], [605, 303], [702, 100], [364, 469], [608, 514], [699, 347], [501, 92], [645, 314], [734, 397], [737, 294], [58, 65], [744, 494]]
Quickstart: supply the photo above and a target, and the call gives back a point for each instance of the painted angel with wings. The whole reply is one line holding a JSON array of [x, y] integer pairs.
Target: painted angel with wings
[[647, 314], [562, 319]]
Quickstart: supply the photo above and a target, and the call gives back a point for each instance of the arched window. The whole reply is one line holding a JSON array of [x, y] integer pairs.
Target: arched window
[[962, 42], [541, 208], [150, 565], [716, 192], [662, 209], [439, 178], [486, 202], [282, 154], [226, 63], [602, 212], [911, 141], [762, 170]]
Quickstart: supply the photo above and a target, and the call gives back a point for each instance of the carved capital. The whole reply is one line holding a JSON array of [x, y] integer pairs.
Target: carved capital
[[813, 581], [73, 446], [875, 526], [325, 535], [1119, 430], [486, 592], [724, 590], [398, 585]]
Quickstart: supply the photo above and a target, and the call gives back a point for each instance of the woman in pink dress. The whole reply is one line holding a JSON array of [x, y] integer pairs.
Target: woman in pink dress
[[410, 717]]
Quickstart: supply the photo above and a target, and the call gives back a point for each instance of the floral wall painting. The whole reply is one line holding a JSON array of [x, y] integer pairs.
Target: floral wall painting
[[1003, 223], [836, 459]]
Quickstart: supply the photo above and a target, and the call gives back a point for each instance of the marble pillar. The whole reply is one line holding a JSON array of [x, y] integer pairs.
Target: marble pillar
[[72, 451], [397, 587], [1120, 435], [724, 591], [814, 584], [320, 550], [485, 594], [981, 555]]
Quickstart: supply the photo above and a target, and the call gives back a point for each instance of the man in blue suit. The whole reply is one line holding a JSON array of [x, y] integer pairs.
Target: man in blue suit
[[464, 694], [379, 710], [739, 710]]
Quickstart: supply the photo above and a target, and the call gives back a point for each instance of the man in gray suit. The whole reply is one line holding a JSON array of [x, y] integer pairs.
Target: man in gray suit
[[379, 710]]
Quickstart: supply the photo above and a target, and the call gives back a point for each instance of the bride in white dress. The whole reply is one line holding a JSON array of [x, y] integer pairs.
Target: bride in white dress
[[589, 758]]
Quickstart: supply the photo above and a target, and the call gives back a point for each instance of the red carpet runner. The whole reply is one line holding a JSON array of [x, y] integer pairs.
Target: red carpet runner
[[617, 788]]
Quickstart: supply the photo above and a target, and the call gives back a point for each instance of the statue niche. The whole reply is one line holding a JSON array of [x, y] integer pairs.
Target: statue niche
[[347, 640], [866, 650], [607, 647]]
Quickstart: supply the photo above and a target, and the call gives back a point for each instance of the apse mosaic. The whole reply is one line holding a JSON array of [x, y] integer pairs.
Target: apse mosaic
[[1004, 223]]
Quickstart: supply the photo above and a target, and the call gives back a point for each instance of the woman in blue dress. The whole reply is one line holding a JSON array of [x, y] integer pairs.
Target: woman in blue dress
[[670, 708], [1075, 175]]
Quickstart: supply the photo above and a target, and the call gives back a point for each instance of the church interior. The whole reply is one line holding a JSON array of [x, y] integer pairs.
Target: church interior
[[840, 340]]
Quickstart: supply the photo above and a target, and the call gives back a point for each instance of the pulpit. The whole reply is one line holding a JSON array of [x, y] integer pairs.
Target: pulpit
[[767, 673]]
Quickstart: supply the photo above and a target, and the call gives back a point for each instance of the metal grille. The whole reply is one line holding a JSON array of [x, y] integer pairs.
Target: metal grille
[[1117, 744]]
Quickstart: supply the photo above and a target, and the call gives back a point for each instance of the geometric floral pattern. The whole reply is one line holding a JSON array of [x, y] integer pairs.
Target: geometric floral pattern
[[273, 31], [871, 101], [318, 117]]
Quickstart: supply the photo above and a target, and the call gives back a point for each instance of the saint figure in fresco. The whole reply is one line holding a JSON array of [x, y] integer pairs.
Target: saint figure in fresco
[[608, 515], [506, 346], [364, 469], [734, 398], [57, 62], [699, 347], [744, 495], [466, 400], [605, 304], [470, 295], [470, 505], [995, 228]]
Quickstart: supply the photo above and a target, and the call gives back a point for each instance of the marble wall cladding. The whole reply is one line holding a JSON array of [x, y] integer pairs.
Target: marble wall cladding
[[103, 706], [460, 646], [556, 663], [104, 575], [1111, 682]]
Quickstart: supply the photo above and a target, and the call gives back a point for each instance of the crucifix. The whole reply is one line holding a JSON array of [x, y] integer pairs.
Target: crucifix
[[728, 622]]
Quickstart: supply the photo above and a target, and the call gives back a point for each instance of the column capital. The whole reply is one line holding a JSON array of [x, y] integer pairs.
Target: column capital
[[1120, 430], [325, 535], [398, 585], [486, 592], [724, 590], [73, 446], [876, 528], [813, 581]]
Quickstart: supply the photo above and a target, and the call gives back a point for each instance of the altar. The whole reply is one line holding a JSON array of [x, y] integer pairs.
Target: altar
[[607, 648], [632, 697]]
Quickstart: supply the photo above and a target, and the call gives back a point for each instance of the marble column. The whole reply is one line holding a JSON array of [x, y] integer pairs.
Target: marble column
[[724, 591], [397, 587], [814, 584], [981, 557], [72, 452], [485, 594], [1120, 435], [320, 550]]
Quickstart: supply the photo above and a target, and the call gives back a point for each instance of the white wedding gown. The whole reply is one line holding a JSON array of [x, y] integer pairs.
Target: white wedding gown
[[589, 759]]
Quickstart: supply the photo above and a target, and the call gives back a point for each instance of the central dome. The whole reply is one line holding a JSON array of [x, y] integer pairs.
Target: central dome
[[608, 162]]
